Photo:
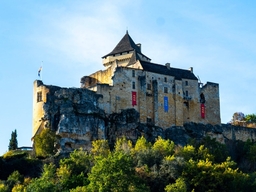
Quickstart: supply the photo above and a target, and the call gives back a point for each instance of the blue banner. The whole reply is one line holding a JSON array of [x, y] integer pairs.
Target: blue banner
[[166, 104]]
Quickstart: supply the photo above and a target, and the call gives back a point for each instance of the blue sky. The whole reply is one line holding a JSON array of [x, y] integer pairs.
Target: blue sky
[[218, 39]]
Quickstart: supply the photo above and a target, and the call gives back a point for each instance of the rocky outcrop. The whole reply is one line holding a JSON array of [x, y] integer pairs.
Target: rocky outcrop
[[76, 118], [223, 133]]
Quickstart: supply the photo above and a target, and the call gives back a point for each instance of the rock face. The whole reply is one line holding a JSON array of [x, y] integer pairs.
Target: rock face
[[77, 119], [75, 116], [222, 133]]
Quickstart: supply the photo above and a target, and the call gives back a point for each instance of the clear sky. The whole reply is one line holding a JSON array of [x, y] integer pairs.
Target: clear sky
[[217, 38]]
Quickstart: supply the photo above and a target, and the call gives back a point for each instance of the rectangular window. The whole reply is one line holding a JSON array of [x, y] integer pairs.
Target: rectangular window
[[149, 120], [186, 83], [39, 96], [186, 93], [165, 79], [165, 90], [148, 86], [133, 73], [133, 85]]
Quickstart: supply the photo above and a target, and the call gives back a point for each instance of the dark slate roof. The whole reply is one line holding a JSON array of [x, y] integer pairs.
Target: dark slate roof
[[125, 44], [134, 58], [162, 69]]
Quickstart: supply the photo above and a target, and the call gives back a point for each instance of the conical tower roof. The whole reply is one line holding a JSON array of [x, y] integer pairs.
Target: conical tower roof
[[126, 44]]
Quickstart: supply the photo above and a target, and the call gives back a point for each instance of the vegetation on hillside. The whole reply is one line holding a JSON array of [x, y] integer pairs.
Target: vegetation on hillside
[[143, 166]]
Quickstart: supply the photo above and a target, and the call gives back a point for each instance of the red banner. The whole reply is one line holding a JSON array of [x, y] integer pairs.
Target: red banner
[[134, 98], [202, 110]]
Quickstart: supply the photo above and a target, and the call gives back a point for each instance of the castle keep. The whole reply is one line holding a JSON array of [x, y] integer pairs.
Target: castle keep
[[162, 95]]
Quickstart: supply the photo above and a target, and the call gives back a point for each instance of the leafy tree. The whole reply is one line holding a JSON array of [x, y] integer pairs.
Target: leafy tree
[[237, 118], [73, 170], [163, 147], [178, 186], [47, 181], [13, 145], [115, 173], [44, 143], [217, 150], [250, 118], [124, 145], [14, 178], [100, 148], [3, 187]]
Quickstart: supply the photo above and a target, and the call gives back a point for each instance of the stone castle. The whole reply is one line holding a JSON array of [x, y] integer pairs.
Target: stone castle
[[162, 96]]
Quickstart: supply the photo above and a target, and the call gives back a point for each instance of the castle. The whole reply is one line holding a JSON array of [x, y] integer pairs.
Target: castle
[[164, 96]]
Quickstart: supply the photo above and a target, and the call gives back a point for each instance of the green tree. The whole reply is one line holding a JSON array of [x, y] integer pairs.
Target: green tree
[[44, 143], [250, 118], [73, 170], [14, 179], [47, 181], [163, 147], [178, 186], [13, 145], [100, 148], [115, 173]]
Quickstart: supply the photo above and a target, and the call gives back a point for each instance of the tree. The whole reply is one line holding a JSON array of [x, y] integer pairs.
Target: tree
[[238, 118], [73, 170], [44, 143], [46, 183], [100, 148], [250, 118], [13, 145], [115, 173], [178, 186]]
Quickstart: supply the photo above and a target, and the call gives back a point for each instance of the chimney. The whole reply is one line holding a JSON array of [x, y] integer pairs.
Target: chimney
[[191, 69], [168, 65], [139, 46]]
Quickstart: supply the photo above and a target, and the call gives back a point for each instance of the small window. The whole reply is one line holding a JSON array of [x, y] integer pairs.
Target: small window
[[186, 83], [133, 85], [202, 98], [165, 79], [39, 96], [148, 86], [165, 90], [133, 73], [186, 93], [149, 120]]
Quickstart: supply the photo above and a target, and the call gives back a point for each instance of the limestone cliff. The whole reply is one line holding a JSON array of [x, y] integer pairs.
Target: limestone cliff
[[77, 119]]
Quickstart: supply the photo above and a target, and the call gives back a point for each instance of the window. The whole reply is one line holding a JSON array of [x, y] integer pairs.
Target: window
[[133, 73], [39, 96], [165, 90], [186, 83], [202, 98], [148, 86], [133, 85], [165, 79], [186, 93]]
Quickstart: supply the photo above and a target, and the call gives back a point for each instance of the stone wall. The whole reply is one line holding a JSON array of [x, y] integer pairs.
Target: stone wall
[[77, 117]]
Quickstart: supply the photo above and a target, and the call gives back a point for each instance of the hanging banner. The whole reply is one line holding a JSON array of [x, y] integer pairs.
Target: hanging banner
[[165, 104], [134, 100], [202, 110]]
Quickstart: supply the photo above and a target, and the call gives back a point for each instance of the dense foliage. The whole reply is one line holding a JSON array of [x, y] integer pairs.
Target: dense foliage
[[44, 143], [144, 166]]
